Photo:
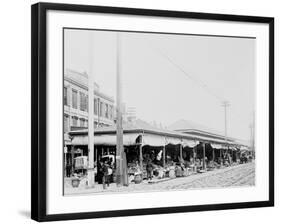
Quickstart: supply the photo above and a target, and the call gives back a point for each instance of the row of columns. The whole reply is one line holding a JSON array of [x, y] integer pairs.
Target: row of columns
[[72, 151], [181, 155]]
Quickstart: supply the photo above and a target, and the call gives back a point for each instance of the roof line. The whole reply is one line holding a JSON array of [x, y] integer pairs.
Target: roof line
[[141, 130]]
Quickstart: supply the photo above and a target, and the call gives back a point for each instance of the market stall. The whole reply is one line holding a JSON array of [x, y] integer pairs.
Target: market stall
[[170, 153]]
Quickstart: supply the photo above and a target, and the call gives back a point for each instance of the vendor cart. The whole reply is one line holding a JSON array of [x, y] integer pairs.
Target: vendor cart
[[81, 165]]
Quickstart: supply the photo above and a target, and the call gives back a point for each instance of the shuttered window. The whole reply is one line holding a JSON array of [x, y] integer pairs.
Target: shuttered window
[[66, 123], [83, 102], [74, 99], [74, 121], [65, 102]]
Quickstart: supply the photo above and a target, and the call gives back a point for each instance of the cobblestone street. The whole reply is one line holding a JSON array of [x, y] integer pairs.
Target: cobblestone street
[[239, 175]]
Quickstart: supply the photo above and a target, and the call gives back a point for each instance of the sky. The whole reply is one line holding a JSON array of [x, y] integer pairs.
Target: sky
[[168, 77]]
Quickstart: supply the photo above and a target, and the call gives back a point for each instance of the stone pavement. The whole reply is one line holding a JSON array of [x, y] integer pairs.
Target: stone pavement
[[239, 175]]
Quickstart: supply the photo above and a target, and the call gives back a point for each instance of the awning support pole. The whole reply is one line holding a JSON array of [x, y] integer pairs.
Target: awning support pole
[[72, 159], [194, 155], [164, 156], [181, 153], [204, 155], [140, 157], [221, 157], [96, 154], [194, 159]]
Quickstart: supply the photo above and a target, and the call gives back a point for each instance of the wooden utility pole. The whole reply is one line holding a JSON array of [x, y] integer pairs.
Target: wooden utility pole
[[252, 135], [121, 178], [225, 104], [90, 171]]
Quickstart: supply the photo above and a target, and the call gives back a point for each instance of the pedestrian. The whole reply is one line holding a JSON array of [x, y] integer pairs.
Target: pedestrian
[[149, 170], [105, 176], [99, 172], [68, 169]]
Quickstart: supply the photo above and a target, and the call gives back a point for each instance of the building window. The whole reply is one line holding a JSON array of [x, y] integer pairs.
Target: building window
[[111, 112], [86, 123], [101, 109], [96, 106], [82, 122], [106, 110], [65, 96], [74, 98], [74, 121], [83, 102], [66, 123]]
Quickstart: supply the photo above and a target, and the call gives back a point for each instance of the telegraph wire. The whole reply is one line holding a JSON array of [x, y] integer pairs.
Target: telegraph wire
[[199, 83]]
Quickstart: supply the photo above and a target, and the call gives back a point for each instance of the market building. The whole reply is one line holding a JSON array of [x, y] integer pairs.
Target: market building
[[165, 148], [190, 127]]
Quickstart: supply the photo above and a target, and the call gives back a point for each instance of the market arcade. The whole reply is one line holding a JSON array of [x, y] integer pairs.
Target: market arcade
[[142, 143]]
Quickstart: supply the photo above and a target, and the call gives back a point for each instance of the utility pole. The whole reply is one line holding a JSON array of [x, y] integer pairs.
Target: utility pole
[[90, 171], [121, 177], [252, 135], [225, 104]]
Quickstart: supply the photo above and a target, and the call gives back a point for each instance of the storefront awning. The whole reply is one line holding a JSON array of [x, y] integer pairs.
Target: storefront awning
[[244, 148], [189, 143], [154, 140], [128, 139], [147, 139], [218, 146]]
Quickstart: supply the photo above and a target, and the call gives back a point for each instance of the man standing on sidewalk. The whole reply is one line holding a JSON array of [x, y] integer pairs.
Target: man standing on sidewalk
[[149, 170], [105, 174]]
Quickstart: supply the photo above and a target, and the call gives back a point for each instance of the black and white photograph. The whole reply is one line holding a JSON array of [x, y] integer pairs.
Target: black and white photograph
[[141, 111], [157, 112]]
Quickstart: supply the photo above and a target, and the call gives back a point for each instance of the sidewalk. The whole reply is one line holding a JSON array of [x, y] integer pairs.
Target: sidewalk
[[229, 176]]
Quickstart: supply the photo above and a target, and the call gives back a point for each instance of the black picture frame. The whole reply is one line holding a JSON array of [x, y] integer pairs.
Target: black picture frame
[[39, 108]]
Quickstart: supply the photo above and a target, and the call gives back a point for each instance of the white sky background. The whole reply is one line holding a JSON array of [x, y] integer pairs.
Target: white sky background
[[158, 89]]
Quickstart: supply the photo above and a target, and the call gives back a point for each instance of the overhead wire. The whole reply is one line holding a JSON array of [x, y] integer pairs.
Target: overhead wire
[[197, 81]]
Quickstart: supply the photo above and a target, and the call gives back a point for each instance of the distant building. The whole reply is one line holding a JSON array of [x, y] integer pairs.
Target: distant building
[[75, 97], [130, 114], [190, 127]]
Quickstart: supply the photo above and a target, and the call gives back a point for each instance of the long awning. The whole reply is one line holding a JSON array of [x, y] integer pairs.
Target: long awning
[[128, 139], [189, 143], [147, 139], [218, 146], [244, 148], [154, 140]]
